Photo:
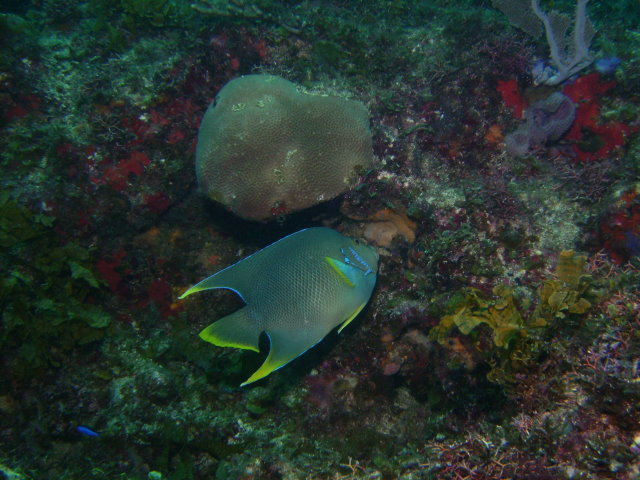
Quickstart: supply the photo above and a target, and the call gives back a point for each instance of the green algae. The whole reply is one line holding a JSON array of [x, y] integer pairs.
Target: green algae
[[510, 324], [564, 294], [500, 315], [152, 12], [46, 290]]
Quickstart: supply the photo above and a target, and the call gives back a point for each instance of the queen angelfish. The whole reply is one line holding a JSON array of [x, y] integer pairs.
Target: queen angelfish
[[296, 290]]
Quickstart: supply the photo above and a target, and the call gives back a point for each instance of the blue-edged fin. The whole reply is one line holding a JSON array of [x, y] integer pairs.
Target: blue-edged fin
[[347, 273], [232, 278], [236, 330], [354, 315], [284, 348]]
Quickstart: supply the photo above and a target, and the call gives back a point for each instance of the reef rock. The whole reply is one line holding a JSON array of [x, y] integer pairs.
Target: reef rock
[[266, 148]]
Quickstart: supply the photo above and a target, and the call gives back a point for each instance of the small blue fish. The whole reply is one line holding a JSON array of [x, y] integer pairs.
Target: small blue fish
[[606, 66], [87, 431]]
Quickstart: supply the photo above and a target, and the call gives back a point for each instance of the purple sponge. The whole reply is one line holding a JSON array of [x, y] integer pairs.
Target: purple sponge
[[546, 120]]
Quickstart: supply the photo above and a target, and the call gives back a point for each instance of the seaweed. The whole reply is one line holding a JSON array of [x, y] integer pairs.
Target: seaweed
[[564, 294], [49, 291], [500, 314], [559, 296], [143, 14]]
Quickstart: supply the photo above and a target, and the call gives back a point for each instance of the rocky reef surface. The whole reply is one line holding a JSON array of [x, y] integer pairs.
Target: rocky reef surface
[[501, 340]]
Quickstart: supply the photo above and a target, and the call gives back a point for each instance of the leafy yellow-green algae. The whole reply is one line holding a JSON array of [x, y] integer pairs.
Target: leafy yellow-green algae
[[564, 294], [556, 297]]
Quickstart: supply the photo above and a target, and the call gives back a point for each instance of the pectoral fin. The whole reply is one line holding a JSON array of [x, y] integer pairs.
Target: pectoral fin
[[347, 273], [354, 315]]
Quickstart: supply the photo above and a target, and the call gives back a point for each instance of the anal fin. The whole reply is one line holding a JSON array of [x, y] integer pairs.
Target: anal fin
[[283, 349], [236, 330]]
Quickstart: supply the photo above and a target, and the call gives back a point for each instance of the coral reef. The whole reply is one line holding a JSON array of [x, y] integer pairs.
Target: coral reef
[[264, 148], [489, 348], [50, 292], [557, 297], [620, 227], [592, 139]]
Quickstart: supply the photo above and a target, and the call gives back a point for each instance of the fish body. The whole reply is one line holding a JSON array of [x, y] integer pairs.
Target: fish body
[[296, 290]]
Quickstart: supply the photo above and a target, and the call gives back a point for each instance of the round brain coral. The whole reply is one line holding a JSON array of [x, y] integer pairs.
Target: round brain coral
[[266, 148]]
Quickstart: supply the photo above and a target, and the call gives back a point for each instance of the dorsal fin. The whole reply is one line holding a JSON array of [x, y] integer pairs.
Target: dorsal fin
[[231, 278]]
